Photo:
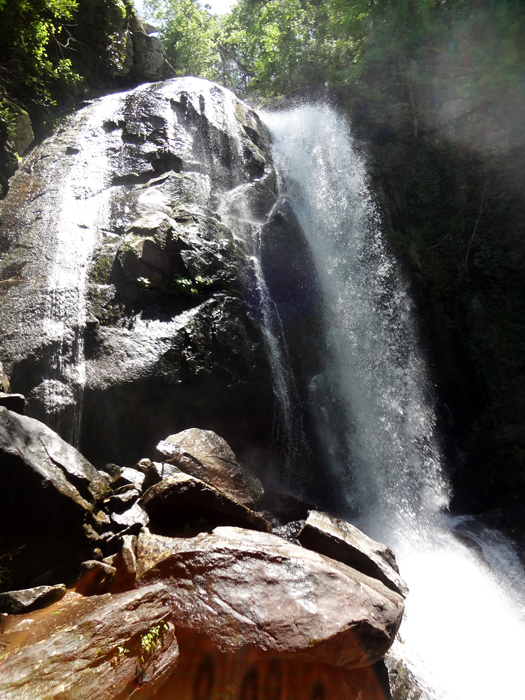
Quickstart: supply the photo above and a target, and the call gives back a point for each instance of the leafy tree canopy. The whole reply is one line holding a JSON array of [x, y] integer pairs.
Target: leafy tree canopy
[[274, 47], [52, 51], [190, 35]]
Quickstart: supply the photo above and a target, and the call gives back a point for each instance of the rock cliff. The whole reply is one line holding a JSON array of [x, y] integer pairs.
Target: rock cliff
[[125, 277]]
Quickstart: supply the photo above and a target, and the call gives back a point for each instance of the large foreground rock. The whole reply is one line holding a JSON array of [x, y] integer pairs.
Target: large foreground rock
[[47, 490], [101, 648], [204, 454], [244, 588], [339, 540]]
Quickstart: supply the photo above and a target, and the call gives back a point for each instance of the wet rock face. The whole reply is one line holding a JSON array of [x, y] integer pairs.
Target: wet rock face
[[184, 591], [205, 455], [247, 588], [183, 501], [130, 284], [30, 599], [99, 648], [344, 542]]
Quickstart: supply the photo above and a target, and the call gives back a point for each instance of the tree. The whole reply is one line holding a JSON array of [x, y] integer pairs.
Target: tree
[[268, 40], [190, 35], [53, 51]]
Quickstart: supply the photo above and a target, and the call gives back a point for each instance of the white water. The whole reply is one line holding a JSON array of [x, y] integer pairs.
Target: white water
[[464, 630], [83, 205], [235, 209]]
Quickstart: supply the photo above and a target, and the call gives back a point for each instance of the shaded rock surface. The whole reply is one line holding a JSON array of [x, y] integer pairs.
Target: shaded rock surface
[[134, 516], [14, 402], [47, 491], [246, 588], [339, 540], [182, 502], [96, 577], [156, 471], [207, 456], [290, 276], [403, 683], [149, 56], [95, 648], [30, 598], [203, 671]]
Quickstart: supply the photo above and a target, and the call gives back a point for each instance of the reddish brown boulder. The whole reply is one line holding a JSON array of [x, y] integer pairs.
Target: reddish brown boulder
[[339, 540], [205, 673], [244, 588], [99, 648], [95, 578], [205, 455]]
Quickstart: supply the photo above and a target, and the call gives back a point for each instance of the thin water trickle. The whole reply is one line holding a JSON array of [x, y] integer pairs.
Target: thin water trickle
[[271, 326], [248, 229], [463, 634]]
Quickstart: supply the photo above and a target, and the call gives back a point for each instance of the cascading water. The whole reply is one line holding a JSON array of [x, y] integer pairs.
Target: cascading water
[[83, 203], [463, 633], [284, 429]]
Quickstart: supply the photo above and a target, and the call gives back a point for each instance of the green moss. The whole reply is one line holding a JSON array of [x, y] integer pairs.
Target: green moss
[[102, 269], [144, 283]]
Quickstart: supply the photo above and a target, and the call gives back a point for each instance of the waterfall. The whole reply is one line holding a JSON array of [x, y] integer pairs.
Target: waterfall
[[464, 632], [82, 204]]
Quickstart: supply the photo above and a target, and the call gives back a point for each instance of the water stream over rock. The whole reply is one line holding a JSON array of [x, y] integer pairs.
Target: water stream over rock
[[464, 628]]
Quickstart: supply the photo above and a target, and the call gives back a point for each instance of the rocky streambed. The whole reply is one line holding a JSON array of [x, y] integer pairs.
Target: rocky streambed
[[171, 579]]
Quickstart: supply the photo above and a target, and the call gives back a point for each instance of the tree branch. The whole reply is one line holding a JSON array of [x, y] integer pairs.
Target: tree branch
[[482, 206], [233, 56]]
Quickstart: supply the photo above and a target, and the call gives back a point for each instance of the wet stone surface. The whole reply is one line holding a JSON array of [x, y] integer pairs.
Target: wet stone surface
[[116, 256]]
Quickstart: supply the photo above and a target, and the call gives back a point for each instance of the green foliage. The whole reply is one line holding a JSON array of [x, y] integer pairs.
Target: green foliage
[[127, 248], [102, 269], [54, 51], [144, 283], [150, 640], [274, 47], [267, 43], [190, 36], [203, 282], [184, 286], [7, 121], [31, 38]]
